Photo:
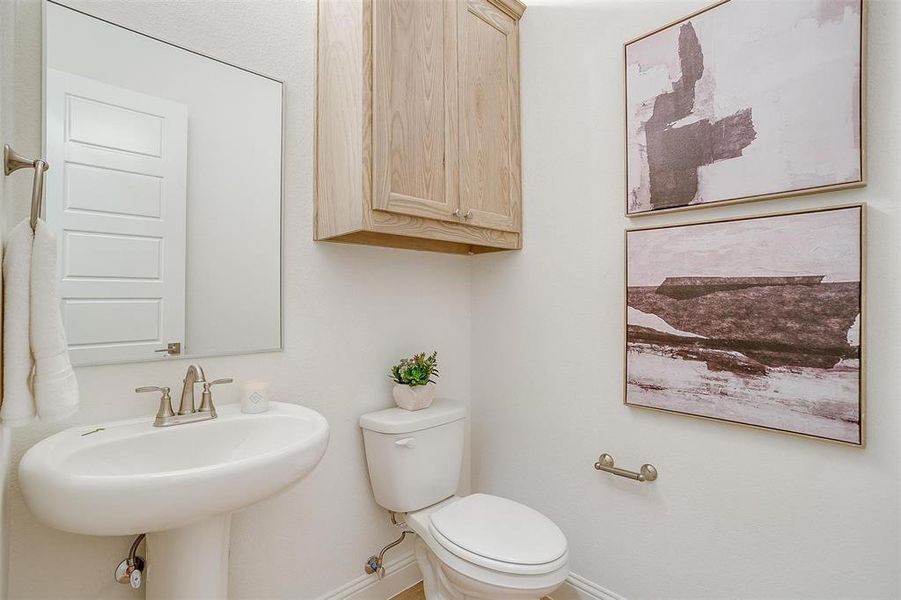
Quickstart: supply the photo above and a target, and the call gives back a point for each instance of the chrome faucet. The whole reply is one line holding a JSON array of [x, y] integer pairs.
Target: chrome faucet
[[187, 413], [194, 375]]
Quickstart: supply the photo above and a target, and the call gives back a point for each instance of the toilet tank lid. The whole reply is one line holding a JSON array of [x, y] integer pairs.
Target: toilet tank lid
[[397, 420]]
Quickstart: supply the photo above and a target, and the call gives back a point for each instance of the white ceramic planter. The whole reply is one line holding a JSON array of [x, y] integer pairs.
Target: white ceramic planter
[[414, 397]]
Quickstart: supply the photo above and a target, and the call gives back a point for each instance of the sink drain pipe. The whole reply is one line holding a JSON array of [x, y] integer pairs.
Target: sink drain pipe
[[376, 564]]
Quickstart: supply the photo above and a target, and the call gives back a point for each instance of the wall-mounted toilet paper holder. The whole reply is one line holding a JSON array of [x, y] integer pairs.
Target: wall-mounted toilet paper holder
[[605, 463]]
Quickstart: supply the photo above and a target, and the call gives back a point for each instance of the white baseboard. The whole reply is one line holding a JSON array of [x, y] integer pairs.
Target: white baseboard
[[577, 587], [401, 574]]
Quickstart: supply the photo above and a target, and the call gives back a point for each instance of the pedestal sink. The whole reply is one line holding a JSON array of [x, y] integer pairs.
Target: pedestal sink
[[178, 484]]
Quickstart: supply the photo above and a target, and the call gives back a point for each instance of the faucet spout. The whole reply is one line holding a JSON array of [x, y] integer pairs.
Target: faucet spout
[[194, 375]]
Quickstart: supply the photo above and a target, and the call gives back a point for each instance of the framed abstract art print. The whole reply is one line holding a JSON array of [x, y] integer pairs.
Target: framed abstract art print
[[746, 100], [754, 320]]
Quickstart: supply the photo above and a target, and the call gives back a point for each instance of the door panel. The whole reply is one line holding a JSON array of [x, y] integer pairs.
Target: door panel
[[116, 201], [414, 107], [105, 256], [136, 320], [100, 190], [489, 122], [113, 127]]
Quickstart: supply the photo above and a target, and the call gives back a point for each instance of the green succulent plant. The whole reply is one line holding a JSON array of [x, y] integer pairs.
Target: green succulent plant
[[419, 369]]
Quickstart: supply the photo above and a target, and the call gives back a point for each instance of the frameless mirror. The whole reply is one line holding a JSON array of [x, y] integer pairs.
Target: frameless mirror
[[164, 192]]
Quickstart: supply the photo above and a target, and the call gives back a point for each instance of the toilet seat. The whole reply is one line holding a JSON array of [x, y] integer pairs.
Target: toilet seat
[[471, 570], [499, 534]]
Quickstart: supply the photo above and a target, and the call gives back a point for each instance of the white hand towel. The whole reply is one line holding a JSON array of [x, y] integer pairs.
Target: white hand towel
[[18, 403], [55, 386]]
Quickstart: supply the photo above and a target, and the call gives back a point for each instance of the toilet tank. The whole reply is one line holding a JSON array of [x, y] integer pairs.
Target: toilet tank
[[414, 457]]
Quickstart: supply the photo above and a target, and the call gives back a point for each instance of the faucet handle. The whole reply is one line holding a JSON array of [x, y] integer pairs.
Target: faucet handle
[[206, 399], [165, 410], [152, 388]]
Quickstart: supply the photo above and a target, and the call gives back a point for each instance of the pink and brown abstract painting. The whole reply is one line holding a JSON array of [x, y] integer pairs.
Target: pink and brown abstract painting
[[754, 321], [746, 100]]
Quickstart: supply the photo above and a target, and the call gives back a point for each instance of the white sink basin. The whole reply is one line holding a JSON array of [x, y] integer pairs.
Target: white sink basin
[[130, 477]]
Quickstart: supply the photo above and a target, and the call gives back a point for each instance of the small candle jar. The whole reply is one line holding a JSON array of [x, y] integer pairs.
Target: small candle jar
[[254, 396]]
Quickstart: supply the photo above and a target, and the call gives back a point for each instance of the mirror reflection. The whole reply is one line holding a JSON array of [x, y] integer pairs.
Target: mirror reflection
[[161, 159]]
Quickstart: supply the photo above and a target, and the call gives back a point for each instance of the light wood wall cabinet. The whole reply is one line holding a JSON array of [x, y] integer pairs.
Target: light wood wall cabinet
[[417, 127]]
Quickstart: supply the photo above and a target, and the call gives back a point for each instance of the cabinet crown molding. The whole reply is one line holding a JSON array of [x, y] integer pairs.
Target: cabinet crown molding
[[514, 8]]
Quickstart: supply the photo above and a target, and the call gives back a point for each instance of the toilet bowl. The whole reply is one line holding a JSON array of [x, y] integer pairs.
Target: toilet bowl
[[471, 547], [488, 547]]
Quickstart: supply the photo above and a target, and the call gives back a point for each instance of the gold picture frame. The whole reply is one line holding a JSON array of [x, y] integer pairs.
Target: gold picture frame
[[861, 388], [862, 124]]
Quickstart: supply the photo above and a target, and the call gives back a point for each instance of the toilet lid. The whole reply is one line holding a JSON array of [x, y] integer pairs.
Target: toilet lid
[[500, 529]]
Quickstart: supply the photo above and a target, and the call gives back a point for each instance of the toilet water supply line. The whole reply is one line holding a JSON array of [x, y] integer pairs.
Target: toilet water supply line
[[375, 564]]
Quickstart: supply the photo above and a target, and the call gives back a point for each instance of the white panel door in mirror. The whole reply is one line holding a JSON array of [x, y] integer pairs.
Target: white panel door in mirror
[[116, 201]]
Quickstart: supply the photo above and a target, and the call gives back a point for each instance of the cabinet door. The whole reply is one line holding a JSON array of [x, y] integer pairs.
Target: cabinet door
[[489, 116], [414, 107]]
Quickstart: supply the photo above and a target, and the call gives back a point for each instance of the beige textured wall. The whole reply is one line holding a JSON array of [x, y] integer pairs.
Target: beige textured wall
[[736, 513], [338, 341], [7, 14]]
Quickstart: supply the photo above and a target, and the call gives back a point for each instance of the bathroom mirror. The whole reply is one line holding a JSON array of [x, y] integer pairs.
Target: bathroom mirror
[[164, 192]]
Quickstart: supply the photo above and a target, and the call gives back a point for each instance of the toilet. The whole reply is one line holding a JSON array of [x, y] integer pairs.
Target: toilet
[[473, 547]]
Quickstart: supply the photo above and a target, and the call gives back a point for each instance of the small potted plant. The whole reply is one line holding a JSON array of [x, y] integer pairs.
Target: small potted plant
[[414, 381]]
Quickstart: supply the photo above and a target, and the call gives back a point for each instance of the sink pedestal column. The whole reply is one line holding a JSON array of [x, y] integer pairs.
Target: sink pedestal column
[[189, 563]]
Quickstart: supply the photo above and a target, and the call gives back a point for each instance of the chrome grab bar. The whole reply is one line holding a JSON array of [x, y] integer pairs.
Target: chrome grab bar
[[605, 463]]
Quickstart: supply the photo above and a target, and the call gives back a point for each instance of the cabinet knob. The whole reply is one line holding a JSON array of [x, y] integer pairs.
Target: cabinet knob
[[457, 212], [468, 214]]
